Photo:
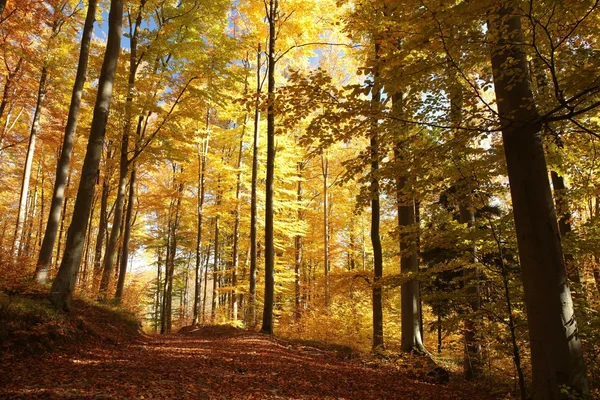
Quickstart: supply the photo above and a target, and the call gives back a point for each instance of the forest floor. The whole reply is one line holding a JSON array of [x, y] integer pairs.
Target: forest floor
[[209, 362]]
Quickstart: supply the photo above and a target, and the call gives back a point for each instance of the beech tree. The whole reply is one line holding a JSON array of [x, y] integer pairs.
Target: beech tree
[[64, 283]]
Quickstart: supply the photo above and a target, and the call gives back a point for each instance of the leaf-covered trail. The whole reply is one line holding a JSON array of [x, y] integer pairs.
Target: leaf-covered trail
[[212, 363]]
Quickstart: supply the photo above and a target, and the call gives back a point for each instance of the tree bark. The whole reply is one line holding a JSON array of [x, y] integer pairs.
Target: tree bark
[[124, 160], [102, 225], [126, 237], [216, 271], [376, 211], [62, 288], [325, 173], [253, 209], [201, 193], [298, 244], [236, 225], [267, 324], [556, 352], [62, 170], [35, 126]]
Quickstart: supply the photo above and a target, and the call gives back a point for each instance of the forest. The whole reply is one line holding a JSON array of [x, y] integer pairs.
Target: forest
[[410, 183]]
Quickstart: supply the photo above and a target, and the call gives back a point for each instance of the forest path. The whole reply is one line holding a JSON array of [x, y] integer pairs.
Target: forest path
[[211, 363]]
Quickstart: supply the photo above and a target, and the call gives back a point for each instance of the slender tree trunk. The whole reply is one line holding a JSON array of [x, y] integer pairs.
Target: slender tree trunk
[[101, 233], [236, 225], [206, 261], [62, 288], [267, 324], [556, 351], [473, 365], [201, 193], [325, 173], [62, 170], [253, 199], [376, 211], [126, 237], [157, 294], [62, 222], [124, 160], [35, 127], [298, 245], [216, 271]]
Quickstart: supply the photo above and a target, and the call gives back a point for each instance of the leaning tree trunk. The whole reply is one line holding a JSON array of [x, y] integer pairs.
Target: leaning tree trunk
[[62, 170], [113, 239], [35, 127], [267, 324], [556, 352], [64, 283]]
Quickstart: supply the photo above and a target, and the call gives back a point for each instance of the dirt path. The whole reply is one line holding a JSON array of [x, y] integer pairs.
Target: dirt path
[[212, 363]]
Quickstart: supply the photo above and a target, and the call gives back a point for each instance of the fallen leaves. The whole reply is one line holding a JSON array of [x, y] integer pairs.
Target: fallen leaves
[[211, 363]]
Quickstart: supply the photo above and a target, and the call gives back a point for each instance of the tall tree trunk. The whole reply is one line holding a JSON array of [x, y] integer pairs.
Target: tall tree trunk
[[411, 335], [298, 245], [62, 170], [62, 288], [126, 237], [102, 225], [267, 324], [124, 160], [409, 264], [556, 352], [375, 210], [206, 260], [236, 225], [253, 199], [63, 217], [157, 304], [201, 193], [325, 173], [473, 363], [216, 271], [35, 126]]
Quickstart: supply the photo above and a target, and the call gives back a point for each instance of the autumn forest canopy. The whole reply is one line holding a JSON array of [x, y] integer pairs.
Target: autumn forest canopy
[[399, 177]]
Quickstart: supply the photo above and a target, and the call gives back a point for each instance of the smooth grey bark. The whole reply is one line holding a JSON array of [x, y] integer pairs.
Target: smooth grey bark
[[126, 237], [236, 224], [35, 127], [325, 174], [377, 304], [251, 317], [202, 152], [298, 243], [62, 170], [102, 225], [556, 351], [410, 302], [409, 264], [267, 323], [216, 270], [124, 162], [64, 283]]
